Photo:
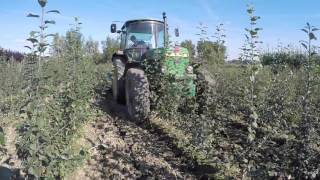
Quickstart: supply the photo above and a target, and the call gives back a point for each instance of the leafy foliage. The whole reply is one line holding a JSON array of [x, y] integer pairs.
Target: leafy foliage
[[53, 101], [38, 38], [52, 123], [109, 46], [211, 52], [190, 46], [278, 60]]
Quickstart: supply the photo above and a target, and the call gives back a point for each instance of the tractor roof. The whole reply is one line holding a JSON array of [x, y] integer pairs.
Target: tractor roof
[[141, 20]]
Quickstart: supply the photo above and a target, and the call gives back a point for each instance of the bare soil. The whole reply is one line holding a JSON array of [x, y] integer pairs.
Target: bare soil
[[10, 164], [121, 149]]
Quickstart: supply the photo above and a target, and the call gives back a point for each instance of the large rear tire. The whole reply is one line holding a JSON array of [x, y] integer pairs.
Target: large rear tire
[[137, 95], [118, 81]]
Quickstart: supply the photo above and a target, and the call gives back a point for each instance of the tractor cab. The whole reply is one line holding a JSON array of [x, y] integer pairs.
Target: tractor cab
[[139, 36], [142, 34]]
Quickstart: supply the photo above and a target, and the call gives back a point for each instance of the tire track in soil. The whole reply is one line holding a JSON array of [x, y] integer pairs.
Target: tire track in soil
[[124, 150], [10, 164]]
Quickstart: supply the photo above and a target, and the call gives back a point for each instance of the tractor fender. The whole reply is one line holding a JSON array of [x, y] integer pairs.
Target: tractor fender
[[124, 59], [133, 65]]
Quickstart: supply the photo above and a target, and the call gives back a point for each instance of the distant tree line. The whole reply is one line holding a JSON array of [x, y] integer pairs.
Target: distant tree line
[[75, 42], [72, 43], [11, 55], [294, 59], [206, 51]]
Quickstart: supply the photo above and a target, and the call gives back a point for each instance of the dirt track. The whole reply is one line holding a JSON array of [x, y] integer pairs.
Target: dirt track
[[122, 149]]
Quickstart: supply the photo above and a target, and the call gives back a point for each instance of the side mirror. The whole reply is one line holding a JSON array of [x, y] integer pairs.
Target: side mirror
[[176, 32], [113, 28]]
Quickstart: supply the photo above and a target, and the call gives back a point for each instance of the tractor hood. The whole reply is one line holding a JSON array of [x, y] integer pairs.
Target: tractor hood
[[176, 61]]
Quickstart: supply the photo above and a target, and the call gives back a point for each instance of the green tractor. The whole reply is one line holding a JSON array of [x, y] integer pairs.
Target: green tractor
[[143, 41]]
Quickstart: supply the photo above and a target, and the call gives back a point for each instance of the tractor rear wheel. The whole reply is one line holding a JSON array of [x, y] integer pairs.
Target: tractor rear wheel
[[137, 94], [118, 82]]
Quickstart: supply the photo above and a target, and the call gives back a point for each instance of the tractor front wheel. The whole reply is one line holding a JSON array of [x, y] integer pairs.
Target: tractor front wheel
[[137, 94]]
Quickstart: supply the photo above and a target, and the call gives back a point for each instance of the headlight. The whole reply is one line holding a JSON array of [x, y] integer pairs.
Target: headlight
[[190, 70]]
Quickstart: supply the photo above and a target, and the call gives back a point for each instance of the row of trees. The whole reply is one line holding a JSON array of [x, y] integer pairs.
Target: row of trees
[[208, 50], [213, 52], [294, 59], [50, 98], [74, 41]]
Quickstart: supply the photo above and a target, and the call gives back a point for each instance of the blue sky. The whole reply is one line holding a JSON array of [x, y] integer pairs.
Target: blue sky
[[281, 19]]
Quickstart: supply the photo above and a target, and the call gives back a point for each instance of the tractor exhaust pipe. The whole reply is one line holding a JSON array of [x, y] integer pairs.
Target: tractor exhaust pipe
[[165, 29]]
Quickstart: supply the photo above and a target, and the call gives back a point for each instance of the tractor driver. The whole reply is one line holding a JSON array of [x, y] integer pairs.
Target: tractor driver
[[134, 41], [136, 44]]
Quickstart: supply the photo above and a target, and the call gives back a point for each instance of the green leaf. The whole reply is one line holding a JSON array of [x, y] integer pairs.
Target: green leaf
[[50, 35], [250, 9], [42, 3], [54, 11], [33, 15], [43, 27], [304, 30], [255, 18], [253, 33], [32, 40], [312, 36], [43, 44], [315, 29], [33, 33], [50, 22], [308, 25], [33, 147], [304, 45], [28, 47]]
